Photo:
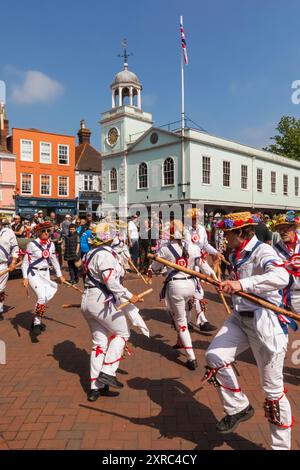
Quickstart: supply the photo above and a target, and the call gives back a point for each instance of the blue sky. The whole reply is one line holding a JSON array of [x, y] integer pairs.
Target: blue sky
[[58, 59]]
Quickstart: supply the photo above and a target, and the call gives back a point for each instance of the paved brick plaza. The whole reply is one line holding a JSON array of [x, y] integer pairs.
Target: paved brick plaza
[[43, 385]]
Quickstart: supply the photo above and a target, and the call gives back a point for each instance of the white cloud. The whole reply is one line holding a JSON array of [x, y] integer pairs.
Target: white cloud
[[36, 87]]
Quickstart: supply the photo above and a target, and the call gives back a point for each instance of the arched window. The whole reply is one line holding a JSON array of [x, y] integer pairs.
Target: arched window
[[169, 176], [143, 176], [113, 180]]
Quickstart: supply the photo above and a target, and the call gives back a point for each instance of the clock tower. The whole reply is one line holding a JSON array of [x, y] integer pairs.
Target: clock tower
[[122, 125]]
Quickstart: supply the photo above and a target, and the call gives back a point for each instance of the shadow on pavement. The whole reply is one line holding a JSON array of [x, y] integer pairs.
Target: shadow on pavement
[[74, 360], [24, 320], [180, 410], [157, 344]]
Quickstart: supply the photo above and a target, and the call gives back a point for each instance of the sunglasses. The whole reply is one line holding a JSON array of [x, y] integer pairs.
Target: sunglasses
[[46, 230]]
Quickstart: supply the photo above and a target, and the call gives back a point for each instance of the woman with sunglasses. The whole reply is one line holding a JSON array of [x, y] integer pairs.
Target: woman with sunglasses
[[39, 254]]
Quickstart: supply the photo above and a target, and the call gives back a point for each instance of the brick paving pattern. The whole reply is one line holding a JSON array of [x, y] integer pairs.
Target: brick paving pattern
[[43, 386]]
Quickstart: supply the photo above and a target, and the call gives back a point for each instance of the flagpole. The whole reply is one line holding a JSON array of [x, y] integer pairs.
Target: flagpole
[[182, 121]]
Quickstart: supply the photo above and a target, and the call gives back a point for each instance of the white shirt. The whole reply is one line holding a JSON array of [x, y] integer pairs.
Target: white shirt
[[33, 253], [284, 254], [165, 253], [196, 241], [133, 231], [258, 275], [9, 241], [105, 268]]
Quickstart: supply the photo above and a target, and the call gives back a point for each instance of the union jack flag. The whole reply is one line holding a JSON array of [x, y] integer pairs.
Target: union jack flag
[[183, 44]]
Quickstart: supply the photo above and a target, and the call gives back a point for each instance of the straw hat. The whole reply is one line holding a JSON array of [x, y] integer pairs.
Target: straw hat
[[290, 218], [237, 221]]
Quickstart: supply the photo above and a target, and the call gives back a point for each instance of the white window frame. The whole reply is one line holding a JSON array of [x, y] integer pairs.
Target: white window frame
[[262, 180], [296, 186], [21, 183], [246, 177], [138, 176], [50, 153], [163, 173], [285, 182], [227, 174], [21, 151], [68, 147], [109, 176], [209, 170], [63, 195], [50, 185], [275, 182], [90, 178]]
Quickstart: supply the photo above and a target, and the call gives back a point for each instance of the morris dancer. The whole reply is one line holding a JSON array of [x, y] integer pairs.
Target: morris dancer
[[109, 327], [197, 245], [252, 326], [179, 289], [35, 267], [288, 249], [9, 253]]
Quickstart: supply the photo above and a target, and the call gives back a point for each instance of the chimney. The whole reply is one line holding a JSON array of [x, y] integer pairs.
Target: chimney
[[4, 127], [84, 134]]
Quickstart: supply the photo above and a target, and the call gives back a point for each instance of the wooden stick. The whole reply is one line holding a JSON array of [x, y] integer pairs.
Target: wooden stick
[[119, 307], [140, 296], [222, 296], [253, 298], [73, 287], [70, 305], [7, 270], [132, 265]]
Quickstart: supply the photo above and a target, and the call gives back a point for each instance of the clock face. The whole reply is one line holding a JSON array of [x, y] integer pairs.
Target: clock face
[[112, 136]]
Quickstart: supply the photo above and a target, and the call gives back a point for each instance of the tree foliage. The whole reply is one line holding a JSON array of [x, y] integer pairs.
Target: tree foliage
[[287, 141]]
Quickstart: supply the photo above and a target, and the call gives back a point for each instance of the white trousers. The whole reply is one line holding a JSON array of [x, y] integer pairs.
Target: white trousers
[[178, 295], [110, 332], [3, 282], [43, 288], [237, 335]]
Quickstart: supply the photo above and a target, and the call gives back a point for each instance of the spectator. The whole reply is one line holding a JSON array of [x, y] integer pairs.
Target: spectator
[[52, 218], [81, 226], [145, 244], [72, 252], [85, 239], [56, 237], [27, 231], [65, 225], [262, 232], [208, 228], [89, 220], [34, 222], [133, 239], [18, 227], [41, 218]]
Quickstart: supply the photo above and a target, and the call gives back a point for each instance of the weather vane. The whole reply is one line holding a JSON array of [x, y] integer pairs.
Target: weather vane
[[124, 44]]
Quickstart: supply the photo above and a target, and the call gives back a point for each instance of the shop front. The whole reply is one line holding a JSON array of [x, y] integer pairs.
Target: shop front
[[27, 206]]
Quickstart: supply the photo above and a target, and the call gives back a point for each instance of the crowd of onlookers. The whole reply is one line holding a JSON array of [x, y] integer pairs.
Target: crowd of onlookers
[[73, 236]]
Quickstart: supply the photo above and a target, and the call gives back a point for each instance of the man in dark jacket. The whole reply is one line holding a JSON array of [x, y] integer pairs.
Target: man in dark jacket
[[72, 253]]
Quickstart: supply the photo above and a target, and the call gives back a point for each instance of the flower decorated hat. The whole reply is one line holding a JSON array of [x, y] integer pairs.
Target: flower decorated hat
[[43, 226], [289, 218], [237, 221]]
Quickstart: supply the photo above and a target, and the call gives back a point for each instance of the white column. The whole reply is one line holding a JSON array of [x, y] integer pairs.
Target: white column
[[139, 102], [120, 96], [113, 102], [130, 96]]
